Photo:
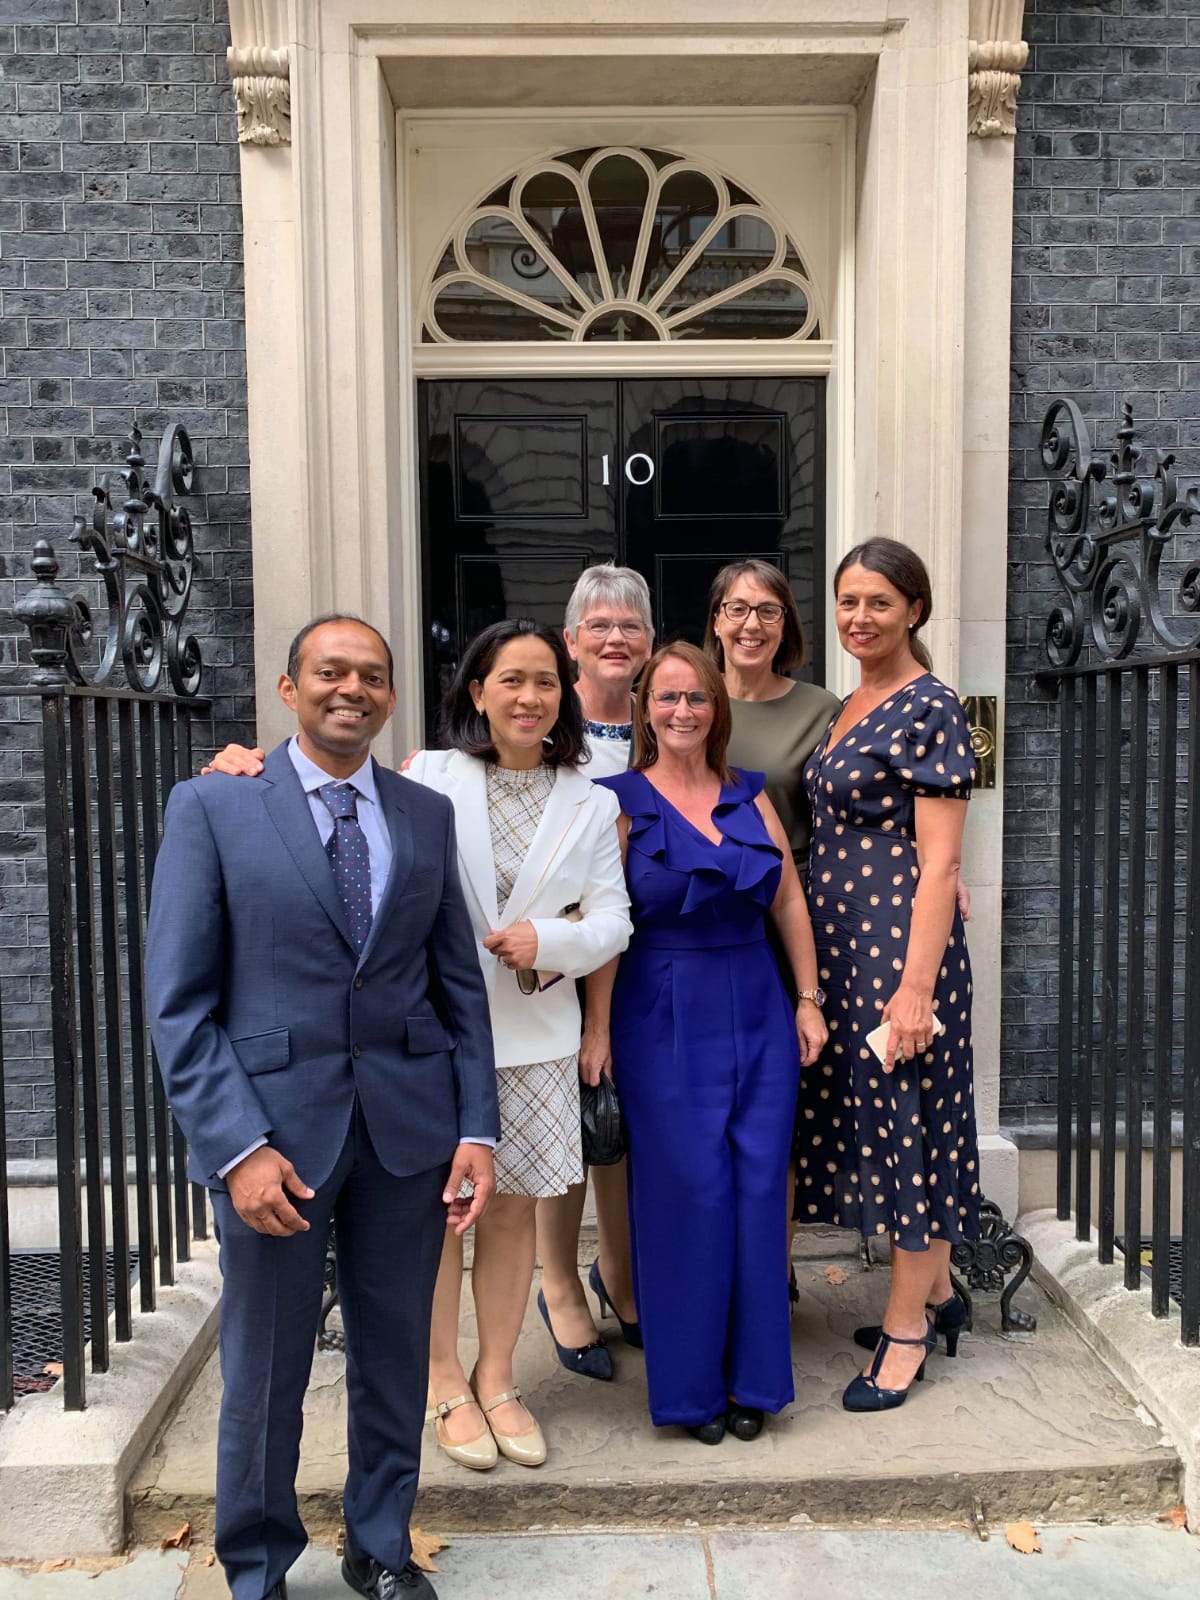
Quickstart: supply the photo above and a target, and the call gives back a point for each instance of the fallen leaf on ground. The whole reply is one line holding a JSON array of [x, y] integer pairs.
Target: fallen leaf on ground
[[177, 1541], [424, 1547], [53, 1369], [59, 1565], [210, 1558], [1147, 1258], [1022, 1536], [1176, 1517], [836, 1275]]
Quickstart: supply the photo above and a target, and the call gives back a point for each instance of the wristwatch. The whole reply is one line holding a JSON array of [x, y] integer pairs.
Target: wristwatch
[[817, 994]]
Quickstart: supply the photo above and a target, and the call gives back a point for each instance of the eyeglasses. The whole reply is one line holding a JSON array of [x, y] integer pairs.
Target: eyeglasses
[[601, 627], [767, 611], [696, 698]]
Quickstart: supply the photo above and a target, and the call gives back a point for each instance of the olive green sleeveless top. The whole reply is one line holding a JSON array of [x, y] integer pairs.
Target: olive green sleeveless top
[[776, 738]]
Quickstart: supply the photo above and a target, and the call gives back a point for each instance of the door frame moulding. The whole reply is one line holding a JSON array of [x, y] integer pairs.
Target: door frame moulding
[[333, 437], [332, 369], [696, 358]]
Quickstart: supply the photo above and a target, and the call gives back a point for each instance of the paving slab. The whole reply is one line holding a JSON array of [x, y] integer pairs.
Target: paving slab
[[1079, 1562], [1035, 1428], [1075, 1563], [147, 1575]]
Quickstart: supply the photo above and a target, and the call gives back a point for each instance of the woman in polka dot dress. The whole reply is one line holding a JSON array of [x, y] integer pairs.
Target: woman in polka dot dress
[[890, 1147]]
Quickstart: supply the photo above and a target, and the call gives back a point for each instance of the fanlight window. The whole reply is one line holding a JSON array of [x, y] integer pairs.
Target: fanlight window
[[619, 244]]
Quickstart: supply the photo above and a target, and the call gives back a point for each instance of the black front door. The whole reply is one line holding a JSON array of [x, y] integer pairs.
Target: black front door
[[525, 483]]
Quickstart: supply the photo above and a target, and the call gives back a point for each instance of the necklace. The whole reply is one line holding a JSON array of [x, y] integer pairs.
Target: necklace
[[608, 730]]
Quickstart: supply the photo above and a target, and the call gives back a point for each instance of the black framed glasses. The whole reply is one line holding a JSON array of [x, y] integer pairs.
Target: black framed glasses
[[767, 611], [696, 698]]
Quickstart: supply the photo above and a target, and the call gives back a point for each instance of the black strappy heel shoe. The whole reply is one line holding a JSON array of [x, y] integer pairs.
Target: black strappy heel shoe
[[630, 1331], [865, 1394], [950, 1318]]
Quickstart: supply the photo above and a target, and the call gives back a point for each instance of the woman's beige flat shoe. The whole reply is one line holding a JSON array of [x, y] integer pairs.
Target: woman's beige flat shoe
[[526, 1449], [479, 1453]]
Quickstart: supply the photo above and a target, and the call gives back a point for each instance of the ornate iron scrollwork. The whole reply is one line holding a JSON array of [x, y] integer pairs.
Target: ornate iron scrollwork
[[987, 1261], [1113, 573], [144, 554]]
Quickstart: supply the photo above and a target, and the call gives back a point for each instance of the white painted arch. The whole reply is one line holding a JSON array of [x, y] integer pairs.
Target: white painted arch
[[340, 226]]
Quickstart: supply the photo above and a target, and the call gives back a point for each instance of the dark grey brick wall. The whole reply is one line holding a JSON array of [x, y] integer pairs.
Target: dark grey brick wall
[[120, 300], [1105, 263]]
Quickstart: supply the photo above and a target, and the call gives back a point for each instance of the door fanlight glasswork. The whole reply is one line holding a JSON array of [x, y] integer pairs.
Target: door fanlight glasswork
[[619, 244]]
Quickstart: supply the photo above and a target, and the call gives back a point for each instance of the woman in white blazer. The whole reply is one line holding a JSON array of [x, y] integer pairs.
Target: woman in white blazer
[[541, 869]]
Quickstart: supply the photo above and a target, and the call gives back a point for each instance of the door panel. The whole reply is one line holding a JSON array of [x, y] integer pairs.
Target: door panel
[[720, 467], [523, 484], [738, 466], [514, 506]]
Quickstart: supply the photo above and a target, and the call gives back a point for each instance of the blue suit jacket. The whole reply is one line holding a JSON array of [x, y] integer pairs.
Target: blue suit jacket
[[265, 1020]]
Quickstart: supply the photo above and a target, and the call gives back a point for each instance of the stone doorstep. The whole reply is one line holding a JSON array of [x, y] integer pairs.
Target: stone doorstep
[[1145, 1352], [63, 1474], [1034, 1429]]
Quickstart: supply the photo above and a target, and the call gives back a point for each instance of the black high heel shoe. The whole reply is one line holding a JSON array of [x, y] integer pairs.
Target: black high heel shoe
[[588, 1360], [950, 1318], [630, 1331], [865, 1394]]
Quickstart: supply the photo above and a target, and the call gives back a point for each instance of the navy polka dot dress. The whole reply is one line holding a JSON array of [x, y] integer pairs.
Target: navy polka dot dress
[[886, 1154]]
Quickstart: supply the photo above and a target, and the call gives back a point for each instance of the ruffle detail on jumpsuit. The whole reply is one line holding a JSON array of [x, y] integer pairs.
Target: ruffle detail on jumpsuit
[[682, 850]]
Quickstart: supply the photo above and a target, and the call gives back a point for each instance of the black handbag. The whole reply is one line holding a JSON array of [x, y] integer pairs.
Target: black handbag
[[603, 1133]]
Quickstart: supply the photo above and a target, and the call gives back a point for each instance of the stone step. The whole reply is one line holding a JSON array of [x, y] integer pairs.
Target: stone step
[[1035, 1429]]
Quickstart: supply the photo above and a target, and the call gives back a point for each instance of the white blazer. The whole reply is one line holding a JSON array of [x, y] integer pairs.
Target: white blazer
[[575, 858]]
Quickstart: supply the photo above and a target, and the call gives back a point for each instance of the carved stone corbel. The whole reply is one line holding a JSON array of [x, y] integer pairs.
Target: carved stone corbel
[[996, 54], [260, 68]]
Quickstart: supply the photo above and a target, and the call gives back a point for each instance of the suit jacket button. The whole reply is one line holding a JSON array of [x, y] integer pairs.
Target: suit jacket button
[[356, 1052], [358, 983]]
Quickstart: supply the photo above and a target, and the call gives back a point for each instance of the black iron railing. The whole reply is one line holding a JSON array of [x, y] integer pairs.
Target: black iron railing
[[116, 736], [1124, 647]]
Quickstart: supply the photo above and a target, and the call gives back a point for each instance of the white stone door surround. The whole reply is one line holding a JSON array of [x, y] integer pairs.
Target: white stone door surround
[[331, 93]]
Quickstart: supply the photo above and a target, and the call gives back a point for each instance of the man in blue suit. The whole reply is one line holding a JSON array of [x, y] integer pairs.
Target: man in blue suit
[[322, 1028]]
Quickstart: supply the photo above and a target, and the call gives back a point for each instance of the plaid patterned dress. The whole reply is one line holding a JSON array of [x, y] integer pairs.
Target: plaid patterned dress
[[539, 1149]]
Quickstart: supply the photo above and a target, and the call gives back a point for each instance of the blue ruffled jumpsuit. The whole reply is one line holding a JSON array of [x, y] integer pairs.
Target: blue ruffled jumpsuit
[[706, 1062]]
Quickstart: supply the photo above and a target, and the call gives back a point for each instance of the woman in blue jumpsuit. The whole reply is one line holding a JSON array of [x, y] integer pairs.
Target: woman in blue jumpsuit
[[706, 1054]]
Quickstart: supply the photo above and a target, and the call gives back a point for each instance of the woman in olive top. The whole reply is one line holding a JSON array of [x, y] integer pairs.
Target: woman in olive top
[[755, 638]]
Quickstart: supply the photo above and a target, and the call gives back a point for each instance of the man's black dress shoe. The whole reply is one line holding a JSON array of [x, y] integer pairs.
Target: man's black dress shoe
[[277, 1591], [377, 1582]]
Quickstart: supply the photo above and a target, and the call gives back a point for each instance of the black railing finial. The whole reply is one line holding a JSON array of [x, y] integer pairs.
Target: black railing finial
[[54, 619]]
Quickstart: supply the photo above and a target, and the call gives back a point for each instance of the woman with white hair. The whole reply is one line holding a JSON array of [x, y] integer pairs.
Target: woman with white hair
[[609, 635]]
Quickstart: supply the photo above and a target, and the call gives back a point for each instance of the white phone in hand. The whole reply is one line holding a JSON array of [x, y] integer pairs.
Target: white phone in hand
[[878, 1038]]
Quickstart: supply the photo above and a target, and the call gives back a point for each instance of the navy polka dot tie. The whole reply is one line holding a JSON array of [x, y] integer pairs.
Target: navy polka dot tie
[[351, 860]]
